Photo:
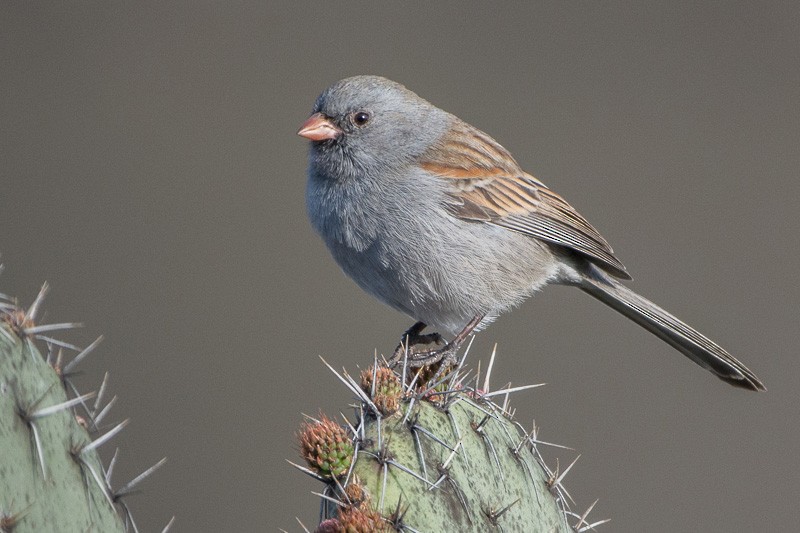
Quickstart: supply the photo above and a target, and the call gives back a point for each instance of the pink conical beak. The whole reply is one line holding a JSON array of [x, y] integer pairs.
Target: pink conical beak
[[318, 127]]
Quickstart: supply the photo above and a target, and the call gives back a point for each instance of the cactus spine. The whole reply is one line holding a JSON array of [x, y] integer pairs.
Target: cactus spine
[[51, 476], [436, 457]]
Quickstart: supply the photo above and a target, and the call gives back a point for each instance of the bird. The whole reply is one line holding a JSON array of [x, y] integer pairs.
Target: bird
[[435, 218]]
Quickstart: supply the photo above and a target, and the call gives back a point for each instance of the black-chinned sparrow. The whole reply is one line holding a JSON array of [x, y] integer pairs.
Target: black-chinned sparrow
[[433, 217]]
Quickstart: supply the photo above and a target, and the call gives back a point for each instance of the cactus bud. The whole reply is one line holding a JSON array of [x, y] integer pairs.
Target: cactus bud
[[326, 447], [387, 390]]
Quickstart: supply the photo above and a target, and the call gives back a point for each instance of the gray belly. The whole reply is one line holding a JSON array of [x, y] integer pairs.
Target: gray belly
[[400, 245], [447, 277]]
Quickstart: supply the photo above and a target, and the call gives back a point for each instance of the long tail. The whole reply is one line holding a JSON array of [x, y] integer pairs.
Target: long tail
[[668, 328]]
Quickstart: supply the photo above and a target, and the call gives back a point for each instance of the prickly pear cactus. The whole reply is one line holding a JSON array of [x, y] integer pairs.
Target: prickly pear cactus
[[433, 457], [51, 476]]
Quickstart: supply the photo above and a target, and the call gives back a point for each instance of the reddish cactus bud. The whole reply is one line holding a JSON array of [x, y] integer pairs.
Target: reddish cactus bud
[[326, 447], [387, 391]]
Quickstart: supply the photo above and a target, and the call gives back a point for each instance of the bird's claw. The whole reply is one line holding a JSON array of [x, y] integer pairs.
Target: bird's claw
[[408, 349]]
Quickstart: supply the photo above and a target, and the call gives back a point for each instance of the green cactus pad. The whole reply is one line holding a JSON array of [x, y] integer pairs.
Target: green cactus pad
[[448, 459], [46, 481], [51, 476]]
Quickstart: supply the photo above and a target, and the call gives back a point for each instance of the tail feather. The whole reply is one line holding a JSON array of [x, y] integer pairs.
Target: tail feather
[[671, 330]]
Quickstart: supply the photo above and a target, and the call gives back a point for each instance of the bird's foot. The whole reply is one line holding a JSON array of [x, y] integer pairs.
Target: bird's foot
[[444, 356], [430, 365], [412, 345], [440, 358]]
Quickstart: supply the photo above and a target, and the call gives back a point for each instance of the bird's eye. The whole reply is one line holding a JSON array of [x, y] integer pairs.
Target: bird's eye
[[360, 118]]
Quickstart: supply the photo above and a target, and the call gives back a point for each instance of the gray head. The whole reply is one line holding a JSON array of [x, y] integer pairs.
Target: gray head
[[365, 124]]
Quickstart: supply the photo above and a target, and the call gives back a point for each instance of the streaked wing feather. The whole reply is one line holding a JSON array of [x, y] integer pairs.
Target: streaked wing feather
[[562, 234], [487, 185]]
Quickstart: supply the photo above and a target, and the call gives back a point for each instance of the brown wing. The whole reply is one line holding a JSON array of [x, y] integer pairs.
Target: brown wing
[[487, 185]]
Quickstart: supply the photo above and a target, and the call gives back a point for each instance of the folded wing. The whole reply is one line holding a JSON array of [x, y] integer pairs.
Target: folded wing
[[487, 185]]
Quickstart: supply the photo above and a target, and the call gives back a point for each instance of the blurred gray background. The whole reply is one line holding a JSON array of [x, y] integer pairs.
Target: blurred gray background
[[151, 173]]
